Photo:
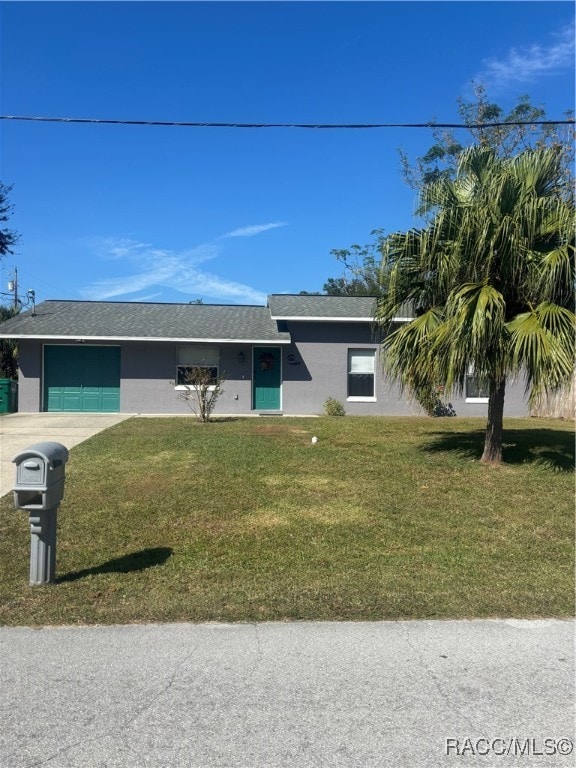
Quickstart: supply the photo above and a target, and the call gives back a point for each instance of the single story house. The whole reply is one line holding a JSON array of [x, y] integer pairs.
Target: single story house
[[284, 358]]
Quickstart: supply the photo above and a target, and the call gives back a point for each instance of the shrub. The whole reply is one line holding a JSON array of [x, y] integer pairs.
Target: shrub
[[202, 391], [428, 396], [334, 407]]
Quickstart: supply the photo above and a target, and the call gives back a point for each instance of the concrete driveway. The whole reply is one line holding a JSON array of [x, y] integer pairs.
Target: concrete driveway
[[19, 430]]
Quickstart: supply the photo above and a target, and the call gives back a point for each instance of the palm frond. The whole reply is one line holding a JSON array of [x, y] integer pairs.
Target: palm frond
[[474, 334], [553, 276], [407, 350], [540, 171], [542, 343]]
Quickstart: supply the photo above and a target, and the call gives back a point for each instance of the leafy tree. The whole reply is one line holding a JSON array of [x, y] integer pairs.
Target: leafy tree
[[8, 348], [8, 238], [441, 159], [490, 279], [362, 275], [362, 269]]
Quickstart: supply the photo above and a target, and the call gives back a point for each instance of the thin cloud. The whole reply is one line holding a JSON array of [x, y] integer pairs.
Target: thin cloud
[[119, 248], [177, 270], [529, 64], [256, 229], [147, 297]]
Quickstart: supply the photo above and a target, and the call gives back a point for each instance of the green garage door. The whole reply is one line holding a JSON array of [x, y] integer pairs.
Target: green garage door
[[81, 378]]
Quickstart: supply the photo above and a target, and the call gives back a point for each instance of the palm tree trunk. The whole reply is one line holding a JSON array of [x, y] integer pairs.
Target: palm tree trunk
[[493, 441]]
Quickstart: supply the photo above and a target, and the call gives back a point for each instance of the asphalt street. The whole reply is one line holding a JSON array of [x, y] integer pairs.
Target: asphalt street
[[418, 694]]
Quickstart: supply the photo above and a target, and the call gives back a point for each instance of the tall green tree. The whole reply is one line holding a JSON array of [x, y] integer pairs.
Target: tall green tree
[[491, 281], [361, 275], [488, 124], [362, 269], [8, 348], [8, 238]]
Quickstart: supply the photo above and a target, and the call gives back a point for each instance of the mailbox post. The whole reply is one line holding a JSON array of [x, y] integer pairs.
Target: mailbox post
[[38, 490]]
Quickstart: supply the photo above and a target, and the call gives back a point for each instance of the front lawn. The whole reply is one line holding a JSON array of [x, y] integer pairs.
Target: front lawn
[[247, 520]]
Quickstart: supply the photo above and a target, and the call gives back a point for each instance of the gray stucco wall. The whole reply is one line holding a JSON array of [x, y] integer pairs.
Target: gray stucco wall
[[319, 370], [148, 372], [147, 375], [314, 368], [29, 376]]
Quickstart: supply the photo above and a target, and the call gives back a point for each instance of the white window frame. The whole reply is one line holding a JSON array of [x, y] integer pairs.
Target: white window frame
[[196, 355], [470, 375], [368, 353]]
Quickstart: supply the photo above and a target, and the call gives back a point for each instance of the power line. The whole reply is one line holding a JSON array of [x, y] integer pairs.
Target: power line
[[317, 126]]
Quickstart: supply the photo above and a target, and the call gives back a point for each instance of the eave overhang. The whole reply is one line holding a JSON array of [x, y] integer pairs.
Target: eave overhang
[[183, 339]]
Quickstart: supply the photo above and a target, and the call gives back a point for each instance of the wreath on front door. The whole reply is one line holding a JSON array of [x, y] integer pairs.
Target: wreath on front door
[[266, 361]]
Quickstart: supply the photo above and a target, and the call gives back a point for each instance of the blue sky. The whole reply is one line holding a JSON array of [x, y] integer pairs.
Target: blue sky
[[112, 212]]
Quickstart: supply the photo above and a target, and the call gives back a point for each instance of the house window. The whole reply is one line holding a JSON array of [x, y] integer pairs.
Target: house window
[[361, 374], [189, 358], [476, 389]]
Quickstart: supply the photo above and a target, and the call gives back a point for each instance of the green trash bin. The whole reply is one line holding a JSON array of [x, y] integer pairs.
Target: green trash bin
[[8, 396]]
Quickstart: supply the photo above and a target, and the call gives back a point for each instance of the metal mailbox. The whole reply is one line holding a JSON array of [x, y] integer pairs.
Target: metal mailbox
[[39, 489], [40, 476]]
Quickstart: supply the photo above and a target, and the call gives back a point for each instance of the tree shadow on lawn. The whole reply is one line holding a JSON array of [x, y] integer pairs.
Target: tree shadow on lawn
[[544, 447], [135, 561]]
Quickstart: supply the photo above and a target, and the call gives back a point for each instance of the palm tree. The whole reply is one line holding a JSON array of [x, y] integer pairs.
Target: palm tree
[[491, 282]]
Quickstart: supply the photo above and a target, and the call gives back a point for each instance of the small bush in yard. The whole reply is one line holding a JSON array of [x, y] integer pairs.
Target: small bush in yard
[[203, 388], [334, 407]]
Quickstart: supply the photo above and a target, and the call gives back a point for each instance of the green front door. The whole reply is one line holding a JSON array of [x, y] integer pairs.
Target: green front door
[[81, 378], [267, 378]]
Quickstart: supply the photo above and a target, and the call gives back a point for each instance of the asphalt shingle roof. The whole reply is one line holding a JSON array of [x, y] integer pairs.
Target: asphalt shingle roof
[[123, 320], [283, 306]]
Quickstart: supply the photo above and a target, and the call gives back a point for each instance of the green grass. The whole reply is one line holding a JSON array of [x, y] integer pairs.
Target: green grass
[[246, 520]]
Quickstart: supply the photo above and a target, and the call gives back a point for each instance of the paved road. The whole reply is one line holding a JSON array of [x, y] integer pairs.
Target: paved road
[[20, 430], [288, 695]]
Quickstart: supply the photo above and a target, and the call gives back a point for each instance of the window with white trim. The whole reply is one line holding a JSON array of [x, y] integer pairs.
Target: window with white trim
[[476, 390], [194, 357], [361, 367]]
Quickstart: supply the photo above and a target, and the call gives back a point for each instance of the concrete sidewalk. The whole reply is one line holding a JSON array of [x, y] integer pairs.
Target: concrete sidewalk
[[19, 430]]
